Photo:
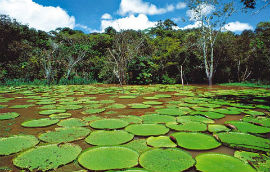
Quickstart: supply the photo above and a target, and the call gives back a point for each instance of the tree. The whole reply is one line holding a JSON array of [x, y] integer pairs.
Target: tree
[[125, 46], [211, 16]]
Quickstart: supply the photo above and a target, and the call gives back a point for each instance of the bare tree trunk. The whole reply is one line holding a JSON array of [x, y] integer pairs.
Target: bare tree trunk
[[210, 81], [182, 80]]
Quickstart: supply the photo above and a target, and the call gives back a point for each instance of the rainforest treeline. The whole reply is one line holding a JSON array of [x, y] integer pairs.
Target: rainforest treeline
[[157, 55]]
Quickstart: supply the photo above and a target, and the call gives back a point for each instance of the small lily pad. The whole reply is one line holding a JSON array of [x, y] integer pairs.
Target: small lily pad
[[16, 143], [52, 111], [43, 122], [139, 106], [196, 141], [60, 115], [106, 138], [72, 122], [152, 103], [163, 96], [47, 157], [64, 134], [93, 111], [116, 106], [213, 162], [8, 115], [108, 124], [106, 158], [127, 97], [166, 160], [160, 141], [20, 106], [147, 129]]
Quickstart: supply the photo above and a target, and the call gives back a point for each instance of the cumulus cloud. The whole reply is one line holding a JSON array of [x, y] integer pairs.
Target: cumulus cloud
[[181, 5], [199, 11], [45, 18], [140, 22], [237, 27], [106, 16], [192, 26], [141, 7]]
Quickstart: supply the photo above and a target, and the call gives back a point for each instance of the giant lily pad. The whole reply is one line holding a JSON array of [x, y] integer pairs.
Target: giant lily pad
[[160, 141], [170, 111], [195, 141], [108, 124], [52, 111], [153, 103], [8, 115], [139, 106], [246, 127], [155, 118], [43, 122], [139, 145], [106, 158], [64, 134], [215, 128], [213, 162], [60, 115], [72, 122], [166, 160], [47, 157], [131, 119], [20, 106], [16, 143], [195, 118], [261, 120], [147, 129], [106, 138], [188, 126], [244, 141], [93, 111]]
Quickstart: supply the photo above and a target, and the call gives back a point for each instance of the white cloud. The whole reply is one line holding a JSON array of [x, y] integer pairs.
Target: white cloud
[[106, 16], [237, 27], [192, 26], [86, 28], [140, 22], [181, 5], [141, 7], [45, 18], [199, 11]]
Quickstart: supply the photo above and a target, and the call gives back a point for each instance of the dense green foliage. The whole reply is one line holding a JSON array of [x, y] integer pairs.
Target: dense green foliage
[[67, 56]]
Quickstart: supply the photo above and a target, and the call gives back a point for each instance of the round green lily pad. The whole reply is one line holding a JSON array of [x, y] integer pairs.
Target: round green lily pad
[[139, 106], [147, 129], [93, 111], [195, 118], [20, 106], [64, 134], [151, 98], [8, 115], [153, 103], [196, 141], [72, 122], [253, 112], [106, 138], [43, 122], [163, 96], [261, 120], [244, 141], [108, 124], [106, 158], [131, 119], [47, 157], [16, 143], [170, 111], [188, 126], [91, 118], [166, 160], [213, 162], [215, 128], [160, 141], [211, 115], [60, 115], [116, 106], [156, 118], [139, 145], [246, 127], [127, 97], [52, 111]]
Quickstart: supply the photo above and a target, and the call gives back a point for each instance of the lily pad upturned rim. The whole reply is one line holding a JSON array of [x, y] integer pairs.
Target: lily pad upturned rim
[[211, 162], [160, 141], [166, 160], [108, 158]]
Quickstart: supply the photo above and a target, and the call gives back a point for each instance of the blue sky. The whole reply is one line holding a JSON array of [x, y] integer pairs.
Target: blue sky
[[96, 15]]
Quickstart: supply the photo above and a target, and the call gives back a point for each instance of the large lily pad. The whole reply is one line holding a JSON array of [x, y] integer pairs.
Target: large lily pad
[[160, 141], [116, 106], [152, 103], [188, 126], [195, 118], [246, 127], [106, 138], [16, 143], [8, 115], [213, 162], [20, 106], [147, 129], [72, 122], [47, 157], [60, 115], [43, 122], [64, 134], [52, 111], [131, 119], [260, 162], [108, 124], [139, 145], [259, 120], [170, 111], [212, 115], [139, 106], [215, 128], [166, 160], [195, 141], [244, 141], [156, 118], [106, 158], [93, 111]]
